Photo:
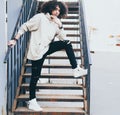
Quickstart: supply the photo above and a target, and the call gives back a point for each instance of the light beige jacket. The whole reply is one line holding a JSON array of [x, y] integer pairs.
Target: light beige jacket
[[43, 31]]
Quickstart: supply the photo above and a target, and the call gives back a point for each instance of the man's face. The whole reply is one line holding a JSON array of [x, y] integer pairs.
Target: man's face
[[56, 12]]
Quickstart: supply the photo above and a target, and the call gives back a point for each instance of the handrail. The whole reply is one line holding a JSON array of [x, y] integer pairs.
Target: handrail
[[86, 52], [16, 27], [84, 32], [15, 55]]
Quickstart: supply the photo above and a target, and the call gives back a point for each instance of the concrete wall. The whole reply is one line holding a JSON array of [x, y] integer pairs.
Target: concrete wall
[[102, 19], [103, 24], [14, 7], [6, 29], [105, 83], [3, 38]]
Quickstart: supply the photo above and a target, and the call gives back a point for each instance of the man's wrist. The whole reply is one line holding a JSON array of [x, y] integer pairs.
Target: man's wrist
[[15, 39]]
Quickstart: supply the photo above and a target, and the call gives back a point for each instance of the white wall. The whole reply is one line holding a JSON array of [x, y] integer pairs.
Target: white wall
[[14, 7], [103, 20], [3, 78], [6, 29], [105, 83]]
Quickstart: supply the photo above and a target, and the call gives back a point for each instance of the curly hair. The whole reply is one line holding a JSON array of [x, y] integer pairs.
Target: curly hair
[[49, 6]]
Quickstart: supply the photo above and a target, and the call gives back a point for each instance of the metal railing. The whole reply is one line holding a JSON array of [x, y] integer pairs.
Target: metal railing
[[86, 51], [15, 55]]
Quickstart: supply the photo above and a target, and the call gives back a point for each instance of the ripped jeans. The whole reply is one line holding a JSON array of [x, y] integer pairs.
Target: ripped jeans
[[37, 64]]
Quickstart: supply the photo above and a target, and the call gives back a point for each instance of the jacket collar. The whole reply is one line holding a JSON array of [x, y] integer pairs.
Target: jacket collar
[[48, 16]]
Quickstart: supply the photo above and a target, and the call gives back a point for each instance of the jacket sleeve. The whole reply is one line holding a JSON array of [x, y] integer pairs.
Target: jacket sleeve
[[61, 35], [30, 25]]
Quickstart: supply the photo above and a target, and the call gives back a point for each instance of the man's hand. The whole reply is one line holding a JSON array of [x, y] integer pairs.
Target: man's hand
[[12, 43], [14, 40]]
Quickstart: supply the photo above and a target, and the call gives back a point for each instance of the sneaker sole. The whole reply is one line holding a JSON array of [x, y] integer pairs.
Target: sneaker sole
[[80, 75], [35, 110]]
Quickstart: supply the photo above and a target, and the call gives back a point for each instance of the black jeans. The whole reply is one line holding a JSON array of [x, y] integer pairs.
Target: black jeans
[[37, 65]]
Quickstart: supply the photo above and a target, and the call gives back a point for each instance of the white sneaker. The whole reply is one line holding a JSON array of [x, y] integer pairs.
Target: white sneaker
[[33, 105], [79, 72]]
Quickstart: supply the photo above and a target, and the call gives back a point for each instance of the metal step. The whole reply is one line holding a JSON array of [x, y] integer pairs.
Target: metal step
[[73, 12], [51, 111], [55, 66], [70, 22], [75, 42], [73, 8], [54, 86], [73, 35], [51, 97], [61, 57], [71, 28], [52, 75], [72, 17], [72, 3]]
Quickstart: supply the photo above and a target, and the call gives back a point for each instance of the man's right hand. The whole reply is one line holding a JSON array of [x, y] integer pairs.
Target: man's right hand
[[12, 43]]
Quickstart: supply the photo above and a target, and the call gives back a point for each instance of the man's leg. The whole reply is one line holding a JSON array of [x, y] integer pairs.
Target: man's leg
[[66, 44], [36, 70]]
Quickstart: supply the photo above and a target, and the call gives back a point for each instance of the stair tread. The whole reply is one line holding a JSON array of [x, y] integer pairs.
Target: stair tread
[[75, 42], [59, 56], [73, 6], [50, 74], [55, 66], [55, 86], [54, 97], [70, 23], [72, 17], [73, 12], [73, 35], [71, 28], [53, 109], [53, 75], [71, 3], [51, 65]]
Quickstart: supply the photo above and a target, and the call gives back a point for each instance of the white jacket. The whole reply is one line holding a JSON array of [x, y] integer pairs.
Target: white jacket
[[43, 31]]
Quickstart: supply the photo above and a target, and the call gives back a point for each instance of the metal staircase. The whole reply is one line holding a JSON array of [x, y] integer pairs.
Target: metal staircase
[[62, 94]]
